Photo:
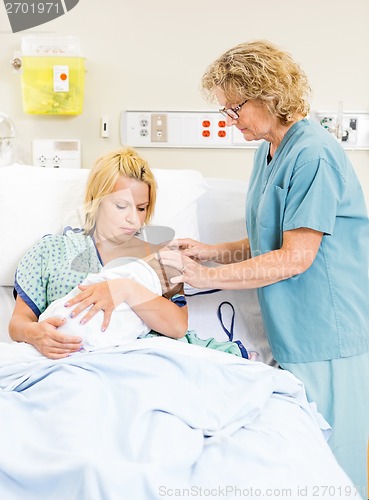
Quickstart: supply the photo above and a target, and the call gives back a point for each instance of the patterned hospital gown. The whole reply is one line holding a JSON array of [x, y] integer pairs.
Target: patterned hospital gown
[[54, 266]]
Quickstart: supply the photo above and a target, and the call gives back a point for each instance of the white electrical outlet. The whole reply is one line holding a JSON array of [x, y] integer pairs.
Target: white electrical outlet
[[56, 153]]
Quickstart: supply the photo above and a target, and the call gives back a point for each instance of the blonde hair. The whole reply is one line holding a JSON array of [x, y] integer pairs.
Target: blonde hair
[[260, 70], [105, 174]]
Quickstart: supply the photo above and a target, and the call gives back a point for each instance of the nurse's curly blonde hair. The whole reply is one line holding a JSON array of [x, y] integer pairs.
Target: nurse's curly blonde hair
[[104, 175], [260, 70]]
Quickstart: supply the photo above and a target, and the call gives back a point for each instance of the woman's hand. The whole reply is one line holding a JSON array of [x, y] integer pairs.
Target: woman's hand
[[103, 296], [44, 336]]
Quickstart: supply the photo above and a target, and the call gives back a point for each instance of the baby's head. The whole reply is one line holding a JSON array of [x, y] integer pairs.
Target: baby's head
[[105, 176]]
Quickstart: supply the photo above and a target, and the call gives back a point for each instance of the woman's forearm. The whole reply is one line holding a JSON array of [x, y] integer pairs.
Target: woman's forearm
[[20, 328], [159, 313], [163, 316]]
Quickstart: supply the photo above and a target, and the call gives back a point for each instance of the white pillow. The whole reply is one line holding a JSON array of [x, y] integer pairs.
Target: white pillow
[[176, 205], [35, 201], [222, 210]]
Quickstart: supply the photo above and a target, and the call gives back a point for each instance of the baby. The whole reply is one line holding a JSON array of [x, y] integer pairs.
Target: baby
[[125, 325]]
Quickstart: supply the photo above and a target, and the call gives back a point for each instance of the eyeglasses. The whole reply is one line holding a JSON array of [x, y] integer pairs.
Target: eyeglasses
[[232, 112]]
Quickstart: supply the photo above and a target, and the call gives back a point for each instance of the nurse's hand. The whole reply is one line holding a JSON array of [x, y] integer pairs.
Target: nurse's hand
[[192, 272], [202, 252]]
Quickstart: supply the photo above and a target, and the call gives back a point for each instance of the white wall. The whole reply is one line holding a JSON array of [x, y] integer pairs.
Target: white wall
[[151, 55]]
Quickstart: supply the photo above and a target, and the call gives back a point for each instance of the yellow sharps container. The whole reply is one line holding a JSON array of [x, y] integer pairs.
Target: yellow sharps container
[[53, 75]]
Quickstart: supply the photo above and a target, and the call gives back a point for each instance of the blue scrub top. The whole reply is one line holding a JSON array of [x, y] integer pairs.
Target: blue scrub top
[[322, 313]]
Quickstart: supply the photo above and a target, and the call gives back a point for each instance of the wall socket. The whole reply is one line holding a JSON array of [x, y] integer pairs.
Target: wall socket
[[56, 153], [159, 128]]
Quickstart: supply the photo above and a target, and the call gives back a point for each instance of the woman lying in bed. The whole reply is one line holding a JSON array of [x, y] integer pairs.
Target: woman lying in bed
[[119, 200]]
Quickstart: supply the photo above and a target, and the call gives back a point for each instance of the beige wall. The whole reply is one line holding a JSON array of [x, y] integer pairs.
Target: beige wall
[[151, 55]]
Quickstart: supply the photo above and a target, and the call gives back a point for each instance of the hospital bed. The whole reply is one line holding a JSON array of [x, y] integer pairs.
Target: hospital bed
[[156, 418]]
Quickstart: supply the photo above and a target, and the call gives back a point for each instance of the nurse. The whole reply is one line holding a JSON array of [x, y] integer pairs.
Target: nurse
[[308, 242]]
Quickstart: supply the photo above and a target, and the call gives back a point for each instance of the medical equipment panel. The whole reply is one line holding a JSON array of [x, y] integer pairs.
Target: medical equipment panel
[[350, 128], [61, 153], [183, 129], [208, 129]]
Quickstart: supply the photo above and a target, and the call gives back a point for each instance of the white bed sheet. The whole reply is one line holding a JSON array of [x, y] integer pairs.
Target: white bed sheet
[[203, 419], [6, 308]]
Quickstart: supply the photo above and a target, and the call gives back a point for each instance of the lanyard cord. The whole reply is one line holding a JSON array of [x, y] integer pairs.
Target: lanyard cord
[[229, 332]]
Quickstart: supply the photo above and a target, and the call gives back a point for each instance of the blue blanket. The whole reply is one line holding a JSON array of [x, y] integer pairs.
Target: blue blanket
[[157, 419]]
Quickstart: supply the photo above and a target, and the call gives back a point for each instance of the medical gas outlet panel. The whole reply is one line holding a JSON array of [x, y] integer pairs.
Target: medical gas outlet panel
[[208, 129], [351, 129], [56, 153]]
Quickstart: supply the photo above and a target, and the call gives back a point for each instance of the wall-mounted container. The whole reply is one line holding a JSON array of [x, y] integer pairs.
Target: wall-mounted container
[[53, 75]]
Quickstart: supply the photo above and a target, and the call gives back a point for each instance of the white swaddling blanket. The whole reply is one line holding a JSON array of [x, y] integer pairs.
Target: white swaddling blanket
[[125, 325]]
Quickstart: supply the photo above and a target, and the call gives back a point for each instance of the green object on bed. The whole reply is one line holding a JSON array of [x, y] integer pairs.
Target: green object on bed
[[192, 338]]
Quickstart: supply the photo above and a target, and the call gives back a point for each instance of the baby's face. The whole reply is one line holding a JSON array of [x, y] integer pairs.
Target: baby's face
[[122, 213]]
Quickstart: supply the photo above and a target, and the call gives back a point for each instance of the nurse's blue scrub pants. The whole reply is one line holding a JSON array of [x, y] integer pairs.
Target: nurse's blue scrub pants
[[340, 389]]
